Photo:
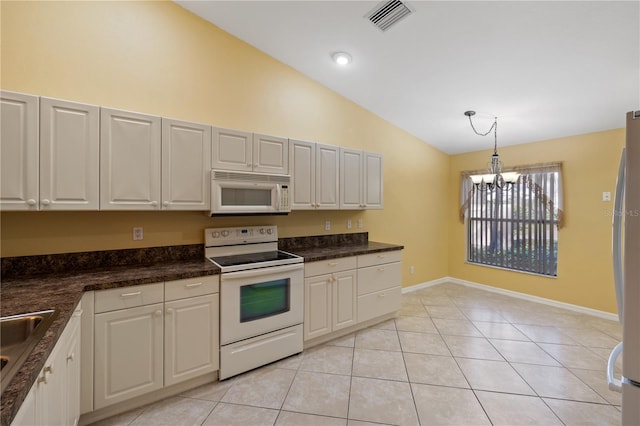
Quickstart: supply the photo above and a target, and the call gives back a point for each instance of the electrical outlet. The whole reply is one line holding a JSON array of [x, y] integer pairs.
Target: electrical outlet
[[349, 224], [327, 225], [411, 270], [360, 224], [606, 196], [138, 234]]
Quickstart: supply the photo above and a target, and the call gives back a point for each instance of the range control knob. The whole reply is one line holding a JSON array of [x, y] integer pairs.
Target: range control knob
[[225, 233], [262, 230], [215, 234], [269, 231]]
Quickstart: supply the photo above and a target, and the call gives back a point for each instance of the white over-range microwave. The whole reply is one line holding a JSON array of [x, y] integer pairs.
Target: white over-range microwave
[[237, 193]]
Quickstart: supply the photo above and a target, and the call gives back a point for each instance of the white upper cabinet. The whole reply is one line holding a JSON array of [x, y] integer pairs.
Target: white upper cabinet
[[18, 151], [129, 161], [361, 179], [231, 150], [69, 155], [351, 179], [373, 180], [314, 175], [186, 165], [270, 154], [249, 152]]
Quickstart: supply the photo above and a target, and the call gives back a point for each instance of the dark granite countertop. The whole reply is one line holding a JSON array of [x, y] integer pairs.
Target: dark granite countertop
[[313, 254], [63, 291]]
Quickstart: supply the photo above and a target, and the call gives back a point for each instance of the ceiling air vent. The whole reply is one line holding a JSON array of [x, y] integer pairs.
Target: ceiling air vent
[[388, 13]]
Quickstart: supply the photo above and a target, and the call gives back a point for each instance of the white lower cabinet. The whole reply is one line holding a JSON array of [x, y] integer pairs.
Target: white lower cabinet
[[330, 296], [191, 338], [128, 353], [379, 284], [343, 292], [151, 336], [55, 397]]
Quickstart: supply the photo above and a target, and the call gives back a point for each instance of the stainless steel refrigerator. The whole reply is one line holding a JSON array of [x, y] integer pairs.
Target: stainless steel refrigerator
[[626, 264]]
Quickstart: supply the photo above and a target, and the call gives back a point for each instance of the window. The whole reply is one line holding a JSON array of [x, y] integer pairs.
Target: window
[[516, 228]]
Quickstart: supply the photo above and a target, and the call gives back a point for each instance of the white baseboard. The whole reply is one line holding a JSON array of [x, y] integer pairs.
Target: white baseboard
[[516, 294]]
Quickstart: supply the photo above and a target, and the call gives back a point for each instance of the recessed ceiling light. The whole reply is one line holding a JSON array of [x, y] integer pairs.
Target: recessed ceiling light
[[341, 58]]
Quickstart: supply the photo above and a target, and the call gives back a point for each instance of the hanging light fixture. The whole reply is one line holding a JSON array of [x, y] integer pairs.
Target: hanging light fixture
[[494, 178]]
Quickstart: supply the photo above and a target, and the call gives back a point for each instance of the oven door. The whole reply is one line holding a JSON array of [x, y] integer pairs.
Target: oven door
[[258, 301]]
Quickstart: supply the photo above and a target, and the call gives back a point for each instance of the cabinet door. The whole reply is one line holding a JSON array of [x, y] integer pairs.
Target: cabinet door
[[302, 161], [26, 415], [372, 180], [72, 378], [317, 306], [129, 161], [186, 165], [351, 179], [128, 354], [270, 154], [69, 155], [191, 338], [327, 183], [51, 393], [18, 151], [231, 150], [344, 299]]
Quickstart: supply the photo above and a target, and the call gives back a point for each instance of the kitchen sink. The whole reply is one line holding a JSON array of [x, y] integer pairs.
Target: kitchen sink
[[18, 336]]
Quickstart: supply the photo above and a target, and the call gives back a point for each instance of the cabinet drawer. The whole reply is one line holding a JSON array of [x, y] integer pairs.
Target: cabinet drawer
[[379, 303], [376, 278], [128, 297], [329, 266], [365, 260], [191, 287]]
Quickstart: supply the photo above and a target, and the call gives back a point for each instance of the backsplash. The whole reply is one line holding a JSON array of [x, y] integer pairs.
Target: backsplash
[[318, 241]]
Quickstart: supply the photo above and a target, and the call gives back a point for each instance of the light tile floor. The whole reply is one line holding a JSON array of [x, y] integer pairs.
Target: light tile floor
[[454, 355]]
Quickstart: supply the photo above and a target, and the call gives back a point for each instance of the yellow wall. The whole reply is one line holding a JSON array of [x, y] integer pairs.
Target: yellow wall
[[585, 275], [157, 58]]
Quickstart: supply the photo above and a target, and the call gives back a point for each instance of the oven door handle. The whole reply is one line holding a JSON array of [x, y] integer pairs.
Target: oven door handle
[[261, 271]]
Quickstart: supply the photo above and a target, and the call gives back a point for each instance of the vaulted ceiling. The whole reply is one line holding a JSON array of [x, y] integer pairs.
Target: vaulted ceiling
[[546, 69]]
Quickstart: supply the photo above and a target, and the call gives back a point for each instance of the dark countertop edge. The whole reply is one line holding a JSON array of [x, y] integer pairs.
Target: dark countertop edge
[[14, 395], [69, 297]]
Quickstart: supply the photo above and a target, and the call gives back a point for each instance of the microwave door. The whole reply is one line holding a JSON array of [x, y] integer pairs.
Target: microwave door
[[244, 198]]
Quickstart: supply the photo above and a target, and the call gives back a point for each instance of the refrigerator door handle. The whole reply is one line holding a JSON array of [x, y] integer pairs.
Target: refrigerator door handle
[[616, 238], [614, 384]]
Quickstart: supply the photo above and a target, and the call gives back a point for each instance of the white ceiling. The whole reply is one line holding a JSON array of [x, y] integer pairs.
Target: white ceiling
[[546, 69]]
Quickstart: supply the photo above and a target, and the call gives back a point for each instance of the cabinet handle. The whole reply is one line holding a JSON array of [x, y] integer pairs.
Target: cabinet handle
[[43, 378], [71, 356], [46, 202], [31, 202], [382, 295], [193, 285], [154, 203], [333, 263], [382, 256], [381, 269], [48, 369], [166, 204], [137, 293], [169, 311], [158, 313]]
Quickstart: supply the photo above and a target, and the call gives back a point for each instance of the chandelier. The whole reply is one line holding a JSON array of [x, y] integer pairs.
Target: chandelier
[[494, 179]]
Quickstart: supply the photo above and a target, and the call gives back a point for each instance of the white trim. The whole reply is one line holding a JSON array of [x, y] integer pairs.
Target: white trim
[[516, 294], [427, 284]]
